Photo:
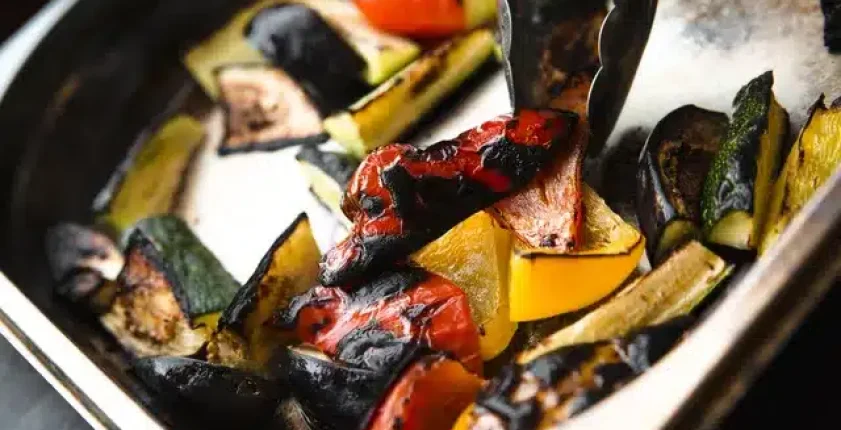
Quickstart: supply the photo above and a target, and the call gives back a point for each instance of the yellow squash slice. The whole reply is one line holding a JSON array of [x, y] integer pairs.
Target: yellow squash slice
[[474, 256], [545, 283]]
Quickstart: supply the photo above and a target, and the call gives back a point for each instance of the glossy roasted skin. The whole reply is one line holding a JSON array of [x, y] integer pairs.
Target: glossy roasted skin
[[402, 197], [403, 305], [430, 394], [549, 390]]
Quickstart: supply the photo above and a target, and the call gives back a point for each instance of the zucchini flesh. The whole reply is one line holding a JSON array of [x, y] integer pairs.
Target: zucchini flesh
[[171, 291], [738, 187], [297, 39], [381, 116], [265, 110], [328, 173], [673, 164], [812, 160], [672, 289], [152, 179], [545, 392], [217, 396], [245, 337]]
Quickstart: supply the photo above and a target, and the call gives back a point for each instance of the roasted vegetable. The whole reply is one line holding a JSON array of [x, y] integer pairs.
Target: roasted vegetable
[[672, 289], [425, 18], [734, 203], [385, 54], [382, 54], [813, 159], [171, 290], [401, 197], [545, 282], [544, 393], [84, 263], [245, 337], [297, 39], [328, 173], [380, 117], [265, 110], [474, 255], [554, 49], [548, 212], [402, 303], [151, 180], [430, 394], [673, 164], [218, 396], [832, 25]]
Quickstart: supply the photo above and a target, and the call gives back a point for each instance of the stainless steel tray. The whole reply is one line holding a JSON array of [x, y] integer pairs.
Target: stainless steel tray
[[105, 70]]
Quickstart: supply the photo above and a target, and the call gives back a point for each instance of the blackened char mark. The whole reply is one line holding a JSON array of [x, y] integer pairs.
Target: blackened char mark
[[370, 347], [495, 400]]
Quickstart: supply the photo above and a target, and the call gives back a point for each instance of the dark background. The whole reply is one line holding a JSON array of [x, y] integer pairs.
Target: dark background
[[797, 390]]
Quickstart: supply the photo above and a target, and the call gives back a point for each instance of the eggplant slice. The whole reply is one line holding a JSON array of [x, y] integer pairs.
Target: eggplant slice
[[298, 40], [544, 393], [672, 167], [265, 110], [217, 396]]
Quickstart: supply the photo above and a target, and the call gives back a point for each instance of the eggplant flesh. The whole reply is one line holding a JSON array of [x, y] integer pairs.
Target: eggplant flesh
[[265, 110], [221, 397], [551, 389], [299, 41], [673, 164]]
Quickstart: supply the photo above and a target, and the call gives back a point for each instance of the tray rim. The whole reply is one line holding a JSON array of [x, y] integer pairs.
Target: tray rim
[[668, 390]]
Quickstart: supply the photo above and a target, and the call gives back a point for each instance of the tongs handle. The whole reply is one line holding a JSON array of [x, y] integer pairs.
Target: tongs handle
[[528, 36]]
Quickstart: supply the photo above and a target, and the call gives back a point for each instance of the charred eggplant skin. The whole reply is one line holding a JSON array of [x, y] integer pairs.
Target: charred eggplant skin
[[832, 25], [402, 197], [586, 372], [672, 167], [221, 397], [299, 41]]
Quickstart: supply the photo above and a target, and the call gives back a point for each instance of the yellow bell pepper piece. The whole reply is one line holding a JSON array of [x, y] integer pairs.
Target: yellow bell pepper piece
[[545, 283]]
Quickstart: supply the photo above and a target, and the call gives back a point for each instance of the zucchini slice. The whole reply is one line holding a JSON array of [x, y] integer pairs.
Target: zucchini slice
[[737, 190], [171, 290], [551, 389], [297, 39], [151, 180], [245, 337], [265, 110], [84, 263], [381, 116], [216, 395], [672, 167], [328, 173], [813, 159], [672, 289]]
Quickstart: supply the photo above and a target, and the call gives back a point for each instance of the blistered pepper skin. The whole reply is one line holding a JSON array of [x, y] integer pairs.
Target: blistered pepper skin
[[403, 305], [401, 197]]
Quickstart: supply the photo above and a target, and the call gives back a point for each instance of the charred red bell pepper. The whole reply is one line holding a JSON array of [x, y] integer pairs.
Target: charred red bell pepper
[[408, 304], [401, 198], [430, 394], [424, 18]]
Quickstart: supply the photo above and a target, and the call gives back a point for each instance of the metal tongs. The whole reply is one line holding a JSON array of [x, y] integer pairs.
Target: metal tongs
[[542, 40]]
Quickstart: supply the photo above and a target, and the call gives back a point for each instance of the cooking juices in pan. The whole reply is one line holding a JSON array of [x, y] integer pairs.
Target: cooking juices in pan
[[430, 310]]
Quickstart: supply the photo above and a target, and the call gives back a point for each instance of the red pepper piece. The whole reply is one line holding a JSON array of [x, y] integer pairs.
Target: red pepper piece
[[422, 18], [430, 395], [411, 304], [400, 198]]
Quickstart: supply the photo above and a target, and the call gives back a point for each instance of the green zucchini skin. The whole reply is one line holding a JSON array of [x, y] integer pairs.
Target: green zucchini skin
[[614, 363], [732, 179], [673, 165], [289, 120], [328, 173], [299, 41], [199, 281], [218, 396]]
